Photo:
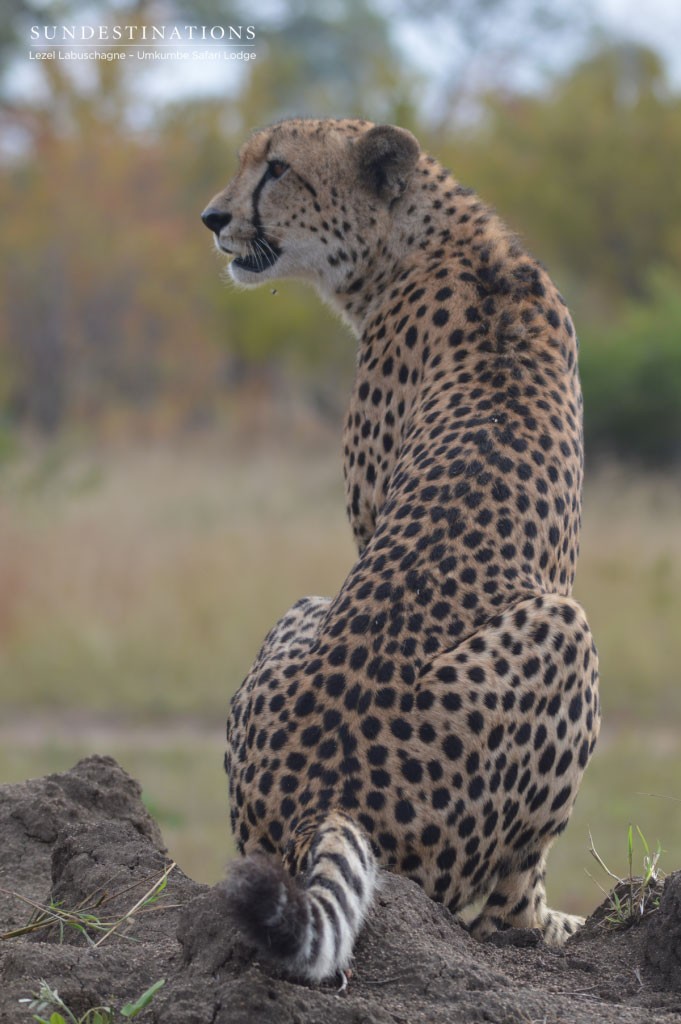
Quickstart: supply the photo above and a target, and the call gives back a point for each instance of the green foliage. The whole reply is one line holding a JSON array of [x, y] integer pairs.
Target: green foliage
[[113, 315], [584, 171], [635, 896], [48, 997], [631, 373], [131, 1010]]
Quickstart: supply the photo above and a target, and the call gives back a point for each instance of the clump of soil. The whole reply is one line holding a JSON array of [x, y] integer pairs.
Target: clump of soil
[[84, 837]]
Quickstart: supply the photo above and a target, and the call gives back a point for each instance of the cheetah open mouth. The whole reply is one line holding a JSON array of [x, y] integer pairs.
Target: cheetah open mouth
[[262, 255]]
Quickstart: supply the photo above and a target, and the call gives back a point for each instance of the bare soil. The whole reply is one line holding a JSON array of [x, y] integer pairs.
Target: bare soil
[[84, 837]]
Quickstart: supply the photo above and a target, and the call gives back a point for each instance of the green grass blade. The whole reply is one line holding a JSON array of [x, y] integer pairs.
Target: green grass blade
[[132, 1009], [643, 840]]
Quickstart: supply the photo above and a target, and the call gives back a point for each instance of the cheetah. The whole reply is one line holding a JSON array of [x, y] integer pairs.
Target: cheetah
[[435, 717]]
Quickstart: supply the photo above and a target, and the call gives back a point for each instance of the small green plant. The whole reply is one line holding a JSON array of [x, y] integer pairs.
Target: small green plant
[[636, 896], [47, 998]]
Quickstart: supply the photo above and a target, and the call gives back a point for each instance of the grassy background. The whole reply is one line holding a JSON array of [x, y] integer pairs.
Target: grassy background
[[137, 587]]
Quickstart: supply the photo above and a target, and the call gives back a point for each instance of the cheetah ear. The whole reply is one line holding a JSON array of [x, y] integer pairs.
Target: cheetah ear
[[386, 158]]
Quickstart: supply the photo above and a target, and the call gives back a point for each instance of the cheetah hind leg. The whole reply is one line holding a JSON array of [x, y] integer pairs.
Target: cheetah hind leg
[[538, 658], [518, 900]]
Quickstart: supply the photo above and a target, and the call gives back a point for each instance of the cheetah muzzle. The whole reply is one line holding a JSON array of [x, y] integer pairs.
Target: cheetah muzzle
[[436, 716]]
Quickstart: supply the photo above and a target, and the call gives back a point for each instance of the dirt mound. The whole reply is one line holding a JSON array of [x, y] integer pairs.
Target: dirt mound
[[84, 840]]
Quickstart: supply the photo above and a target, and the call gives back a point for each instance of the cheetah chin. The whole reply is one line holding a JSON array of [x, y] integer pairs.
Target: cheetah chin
[[435, 717]]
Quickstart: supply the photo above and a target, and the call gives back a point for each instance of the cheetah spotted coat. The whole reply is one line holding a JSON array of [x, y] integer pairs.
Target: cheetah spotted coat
[[435, 717]]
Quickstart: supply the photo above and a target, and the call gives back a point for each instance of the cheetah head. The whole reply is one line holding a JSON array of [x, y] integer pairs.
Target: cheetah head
[[312, 200]]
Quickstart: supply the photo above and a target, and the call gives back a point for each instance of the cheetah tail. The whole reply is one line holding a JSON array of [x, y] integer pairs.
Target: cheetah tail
[[308, 922]]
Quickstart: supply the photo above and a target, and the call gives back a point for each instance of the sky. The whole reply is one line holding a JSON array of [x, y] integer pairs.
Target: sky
[[656, 23], [652, 22]]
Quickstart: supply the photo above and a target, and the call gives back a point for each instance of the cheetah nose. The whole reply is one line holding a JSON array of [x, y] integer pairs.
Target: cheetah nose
[[215, 220]]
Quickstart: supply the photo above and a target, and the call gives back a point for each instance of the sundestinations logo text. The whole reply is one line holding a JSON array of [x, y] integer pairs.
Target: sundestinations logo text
[[131, 34], [142, 42]]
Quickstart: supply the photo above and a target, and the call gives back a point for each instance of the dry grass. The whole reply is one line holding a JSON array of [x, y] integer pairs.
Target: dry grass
[[137, 587], [629, 580], [147, 581]]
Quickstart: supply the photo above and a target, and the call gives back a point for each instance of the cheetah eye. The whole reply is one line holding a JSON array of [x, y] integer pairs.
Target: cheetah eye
[[277, 168]]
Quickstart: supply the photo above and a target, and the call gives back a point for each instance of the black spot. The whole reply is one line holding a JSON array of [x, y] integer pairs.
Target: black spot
[[424, 700], [377, 755], [426, 733], [358, 657], [451, 702], [430, 836], [526, 701], [412, 770], [404, 812], [466, 826], [531, 667], [523, 734], [547, 759], [385, 697], [575, 709], [401, 729], [510, 777], [568, 614], [371, 727], [476, 787], [305, 704], [338, 655], [561, 798], [446, 859], [327, 750], [335, 685], [476, 722], [452, 747], [495, 737], [278, 739]]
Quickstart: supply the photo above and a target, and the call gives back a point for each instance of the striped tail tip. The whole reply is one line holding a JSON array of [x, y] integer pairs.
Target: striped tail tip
[[307, 923], [268, 906]]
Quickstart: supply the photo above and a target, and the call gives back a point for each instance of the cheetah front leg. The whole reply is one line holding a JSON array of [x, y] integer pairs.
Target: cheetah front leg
[[518, 900]]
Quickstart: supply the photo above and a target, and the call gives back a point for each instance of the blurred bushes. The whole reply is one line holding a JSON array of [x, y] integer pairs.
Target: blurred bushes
[[113, 317], [631, 372], [586, 173]]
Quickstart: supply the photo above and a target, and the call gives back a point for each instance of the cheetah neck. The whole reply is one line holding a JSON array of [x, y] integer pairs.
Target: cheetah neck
[[436, 224], [456, 298]]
